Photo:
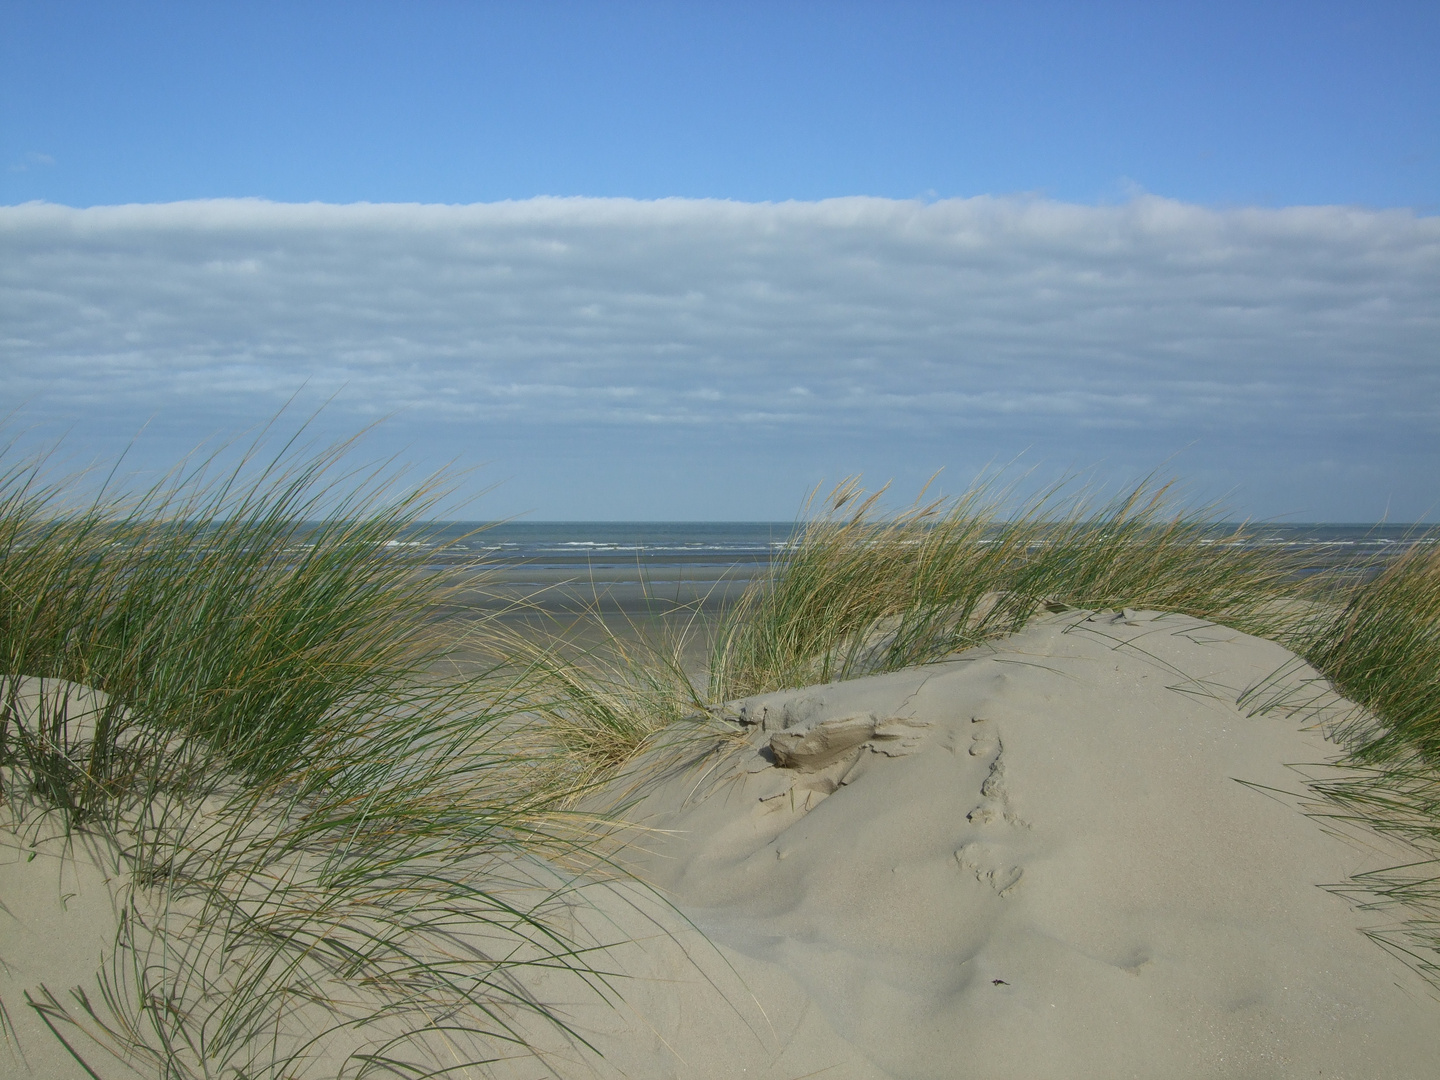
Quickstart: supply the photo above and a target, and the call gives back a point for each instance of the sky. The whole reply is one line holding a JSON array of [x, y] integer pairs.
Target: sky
[[688, 261]]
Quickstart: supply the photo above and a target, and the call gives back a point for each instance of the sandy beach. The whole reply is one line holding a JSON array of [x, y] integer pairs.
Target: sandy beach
[[1087, 850]]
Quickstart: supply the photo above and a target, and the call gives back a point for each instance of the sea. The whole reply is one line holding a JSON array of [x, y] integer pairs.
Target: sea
[[611, 549], [714, 550]]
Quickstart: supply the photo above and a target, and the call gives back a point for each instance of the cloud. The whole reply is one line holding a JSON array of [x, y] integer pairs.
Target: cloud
[[32, 160], [1019, 320]]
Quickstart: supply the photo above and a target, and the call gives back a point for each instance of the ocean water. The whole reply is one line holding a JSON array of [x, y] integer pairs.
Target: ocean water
[[709, 549], [612, 551]]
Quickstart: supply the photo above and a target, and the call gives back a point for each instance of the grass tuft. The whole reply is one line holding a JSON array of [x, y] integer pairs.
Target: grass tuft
[[601, 705], [858, 592], [1381, 649], [326, 860]]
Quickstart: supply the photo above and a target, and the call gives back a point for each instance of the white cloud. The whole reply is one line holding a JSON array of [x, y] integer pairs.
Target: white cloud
[[32, 160], [1030, 320]]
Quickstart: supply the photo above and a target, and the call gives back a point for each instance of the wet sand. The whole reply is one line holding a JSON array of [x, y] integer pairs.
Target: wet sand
[[654, 599]]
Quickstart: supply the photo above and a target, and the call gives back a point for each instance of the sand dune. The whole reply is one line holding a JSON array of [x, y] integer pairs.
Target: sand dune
[[1072, 854], [1065, 856]]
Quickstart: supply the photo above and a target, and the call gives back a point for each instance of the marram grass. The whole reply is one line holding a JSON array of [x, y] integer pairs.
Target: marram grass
[[226, 685], [858, 592], [1381, 649], [600, 706]]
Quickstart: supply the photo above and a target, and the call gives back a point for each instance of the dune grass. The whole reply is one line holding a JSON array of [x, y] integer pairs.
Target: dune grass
[[1379, 646], [227, 684], [598, 707], [1381, 649], [858, 592]]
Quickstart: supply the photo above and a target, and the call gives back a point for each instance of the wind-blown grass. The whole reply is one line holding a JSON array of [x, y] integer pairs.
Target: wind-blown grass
[[601, 705], [227, 684], [1378, 644], [1381, 648], [858, 592]]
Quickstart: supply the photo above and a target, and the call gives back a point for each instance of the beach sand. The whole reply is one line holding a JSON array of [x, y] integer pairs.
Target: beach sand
[[1080, 852]]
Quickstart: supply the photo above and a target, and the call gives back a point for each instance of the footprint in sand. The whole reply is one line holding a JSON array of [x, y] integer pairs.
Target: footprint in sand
[[983, 744], [996, 805], [982, 861]]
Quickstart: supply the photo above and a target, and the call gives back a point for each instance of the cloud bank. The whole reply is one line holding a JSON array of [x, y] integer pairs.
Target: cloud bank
[[947, 332]]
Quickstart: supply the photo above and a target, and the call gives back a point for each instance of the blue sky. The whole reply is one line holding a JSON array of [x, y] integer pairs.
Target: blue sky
[[1237, 103], [725, 252]]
